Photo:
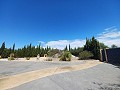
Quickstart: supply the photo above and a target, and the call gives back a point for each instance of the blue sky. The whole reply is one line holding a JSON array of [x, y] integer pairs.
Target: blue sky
[[59, 22]]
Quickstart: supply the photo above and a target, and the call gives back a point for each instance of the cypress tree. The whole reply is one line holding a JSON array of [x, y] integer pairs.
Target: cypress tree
[[13, 48], [2, 49], [66, 49], [24, 51], [92, 45], [69, 48], [30, 50], [95, 48]]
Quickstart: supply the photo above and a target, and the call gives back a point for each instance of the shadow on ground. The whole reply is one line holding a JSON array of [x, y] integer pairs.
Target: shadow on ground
[[106, 86], [117, 65]]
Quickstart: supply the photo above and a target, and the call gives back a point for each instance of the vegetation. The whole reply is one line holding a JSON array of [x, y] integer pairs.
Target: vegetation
[[76, 51], [52, 52], [66, 56], [113, 46], [92, 45], [2, 49], [66, 49], [27, 58], [26, 51], [85, 55], [11, 57], [103, 46]]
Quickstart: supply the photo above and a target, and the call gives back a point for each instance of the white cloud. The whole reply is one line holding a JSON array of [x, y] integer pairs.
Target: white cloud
[[110, 42], [60, 44], [41, 42], [110, 36], [110, 28]]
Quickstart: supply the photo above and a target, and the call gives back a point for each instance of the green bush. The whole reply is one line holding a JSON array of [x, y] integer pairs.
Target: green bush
[[85, 55], [11, 58], [66, 56], [53, 52], [27, 58]]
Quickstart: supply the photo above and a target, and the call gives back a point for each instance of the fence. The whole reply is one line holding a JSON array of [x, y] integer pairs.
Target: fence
[[110, 55]]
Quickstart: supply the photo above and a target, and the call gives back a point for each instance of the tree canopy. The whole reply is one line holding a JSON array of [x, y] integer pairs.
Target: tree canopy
[[93, 46], [26, 51]]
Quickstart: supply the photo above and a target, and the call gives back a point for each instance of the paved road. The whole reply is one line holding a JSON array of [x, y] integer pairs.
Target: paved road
[[8, 68], [101, 77]]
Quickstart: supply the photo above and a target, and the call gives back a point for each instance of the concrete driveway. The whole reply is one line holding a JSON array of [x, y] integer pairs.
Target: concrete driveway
[[9, 68], [102, 76]]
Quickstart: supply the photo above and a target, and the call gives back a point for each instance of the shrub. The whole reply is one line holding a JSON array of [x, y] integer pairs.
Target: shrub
[[27, 58], [12, 55], [53, 52], [66, 56], [11, 58], [85, 55]]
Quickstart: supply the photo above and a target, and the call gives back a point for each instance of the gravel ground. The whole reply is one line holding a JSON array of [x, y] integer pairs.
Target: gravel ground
[[101, 77]]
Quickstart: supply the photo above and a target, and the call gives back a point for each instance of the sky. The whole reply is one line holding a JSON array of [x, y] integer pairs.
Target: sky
[[58, 23]]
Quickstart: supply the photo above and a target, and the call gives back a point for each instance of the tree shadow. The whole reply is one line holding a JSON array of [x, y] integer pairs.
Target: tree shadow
[[107, 86]]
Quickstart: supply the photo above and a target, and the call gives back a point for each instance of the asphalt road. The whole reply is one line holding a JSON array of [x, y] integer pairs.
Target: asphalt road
[[101, 77], [8, 68]]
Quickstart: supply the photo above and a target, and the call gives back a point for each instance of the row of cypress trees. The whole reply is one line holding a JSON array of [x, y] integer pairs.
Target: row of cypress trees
[[92, 45], [26, 51]]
